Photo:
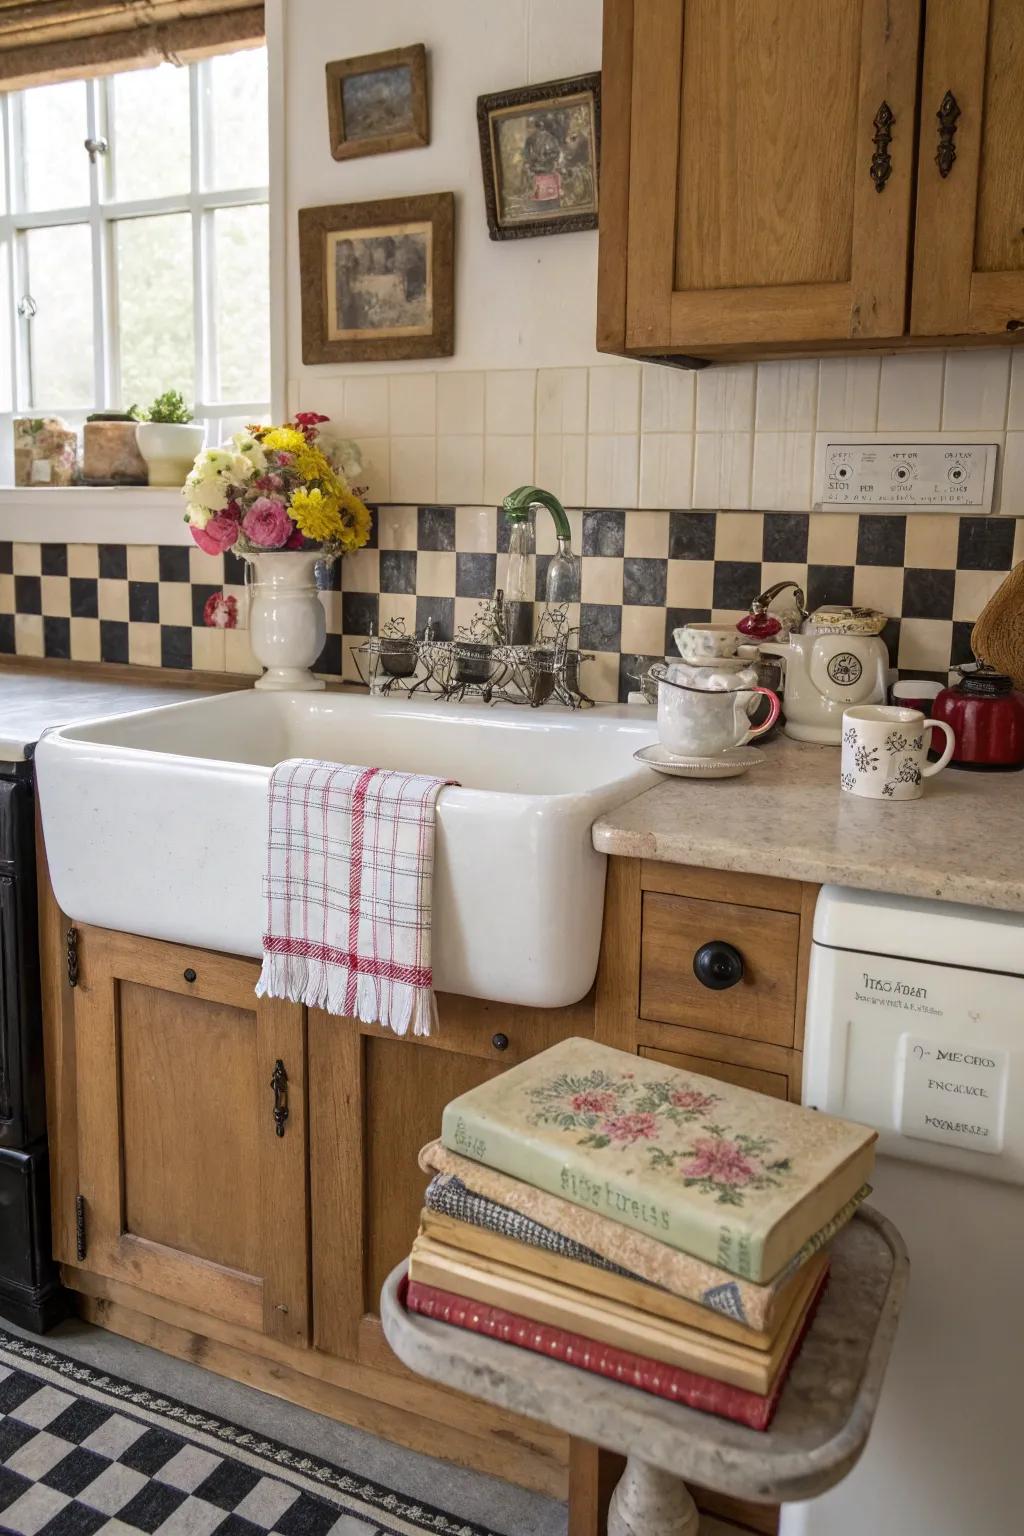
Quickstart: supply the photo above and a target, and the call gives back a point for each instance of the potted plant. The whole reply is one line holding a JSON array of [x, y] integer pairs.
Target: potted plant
[[168, 438], [275, 497]]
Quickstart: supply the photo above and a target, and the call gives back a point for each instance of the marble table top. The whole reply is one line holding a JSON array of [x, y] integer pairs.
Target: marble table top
[[823, 1417]]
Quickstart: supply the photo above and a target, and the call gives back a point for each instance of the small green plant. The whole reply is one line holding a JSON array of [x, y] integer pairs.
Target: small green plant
[[168, 408]]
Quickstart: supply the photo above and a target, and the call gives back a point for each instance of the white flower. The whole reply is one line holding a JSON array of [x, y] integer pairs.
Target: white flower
[[242, 469], [209, 495], [349, 459], [211, 462], [246, 445], [199, 516]]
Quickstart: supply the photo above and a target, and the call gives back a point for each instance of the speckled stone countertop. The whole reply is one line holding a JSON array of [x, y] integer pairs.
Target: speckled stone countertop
[[32, 701], [962, 841]]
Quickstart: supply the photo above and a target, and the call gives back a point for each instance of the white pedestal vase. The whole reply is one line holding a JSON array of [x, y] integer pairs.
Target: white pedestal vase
[[287, 623], [169, 449]]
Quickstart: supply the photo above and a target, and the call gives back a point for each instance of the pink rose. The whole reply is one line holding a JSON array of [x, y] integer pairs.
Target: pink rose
[[220, 611], [267, 524], [218, 535], [722, 1161], [593, 1103], [639, 1126], [691, 1099]]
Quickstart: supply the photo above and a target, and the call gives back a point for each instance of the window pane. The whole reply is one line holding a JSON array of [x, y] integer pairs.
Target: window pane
[[56, 163], [154, 307], [243, 302], [6, 400], [60, 333], [237, 104], [150, 132]]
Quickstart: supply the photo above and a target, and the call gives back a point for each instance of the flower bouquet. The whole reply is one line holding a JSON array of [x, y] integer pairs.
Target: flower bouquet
[[275, 488]]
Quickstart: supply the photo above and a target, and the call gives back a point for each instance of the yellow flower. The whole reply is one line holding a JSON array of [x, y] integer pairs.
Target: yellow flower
[[284, 439], [316, 515], [311, 465]]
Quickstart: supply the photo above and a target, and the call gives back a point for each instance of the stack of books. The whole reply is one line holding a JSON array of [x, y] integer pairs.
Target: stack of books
[[666, 1230]]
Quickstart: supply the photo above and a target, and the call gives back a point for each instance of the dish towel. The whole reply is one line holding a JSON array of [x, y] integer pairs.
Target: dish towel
[[349, 885]]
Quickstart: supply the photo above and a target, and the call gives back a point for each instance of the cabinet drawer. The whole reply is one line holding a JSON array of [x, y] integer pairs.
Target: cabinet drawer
[[760, 1006], [774, 1084]]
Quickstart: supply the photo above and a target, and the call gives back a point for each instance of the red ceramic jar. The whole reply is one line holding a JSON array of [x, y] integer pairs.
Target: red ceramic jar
[[987, 717]]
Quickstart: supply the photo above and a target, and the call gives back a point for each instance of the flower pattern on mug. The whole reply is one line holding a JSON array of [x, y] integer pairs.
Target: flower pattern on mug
[[847, 780], [895, 742], [917, 745], [889, 788], [908, 772], [866, 759], [850, 736]]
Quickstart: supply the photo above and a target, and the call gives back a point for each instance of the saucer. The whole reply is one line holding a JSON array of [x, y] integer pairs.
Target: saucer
[[727, 765]]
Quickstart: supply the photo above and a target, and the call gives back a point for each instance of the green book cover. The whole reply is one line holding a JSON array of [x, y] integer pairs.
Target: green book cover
[[729, 1176]]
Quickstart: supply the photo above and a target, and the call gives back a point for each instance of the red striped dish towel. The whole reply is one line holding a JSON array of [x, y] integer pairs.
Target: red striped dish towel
[[350, 858]]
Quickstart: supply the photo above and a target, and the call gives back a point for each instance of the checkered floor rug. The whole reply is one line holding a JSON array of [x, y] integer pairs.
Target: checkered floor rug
[[82, 1453]]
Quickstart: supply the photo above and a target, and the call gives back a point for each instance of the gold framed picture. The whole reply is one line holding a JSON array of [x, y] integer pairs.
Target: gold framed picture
[[378, 102], [540, 153], [378, 279]]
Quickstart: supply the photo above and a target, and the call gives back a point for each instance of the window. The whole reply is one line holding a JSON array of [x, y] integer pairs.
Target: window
[[134, 244]]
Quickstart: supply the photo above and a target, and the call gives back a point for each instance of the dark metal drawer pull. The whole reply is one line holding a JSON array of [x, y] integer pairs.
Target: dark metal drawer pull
[[718, 965], [279, 1083], [881, 160], [945, 155]]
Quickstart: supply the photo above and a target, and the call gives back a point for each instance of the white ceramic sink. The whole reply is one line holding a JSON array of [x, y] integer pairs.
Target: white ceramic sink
[[155, 822]]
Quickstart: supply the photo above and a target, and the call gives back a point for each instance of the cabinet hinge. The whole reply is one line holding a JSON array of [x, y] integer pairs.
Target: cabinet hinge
[[72, 956], [80, 1227]]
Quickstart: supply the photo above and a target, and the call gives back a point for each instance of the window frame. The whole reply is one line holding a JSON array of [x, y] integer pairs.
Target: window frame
[[102, 212]]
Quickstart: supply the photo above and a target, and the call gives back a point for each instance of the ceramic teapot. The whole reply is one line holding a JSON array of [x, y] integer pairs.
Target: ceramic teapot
[[840, 660]]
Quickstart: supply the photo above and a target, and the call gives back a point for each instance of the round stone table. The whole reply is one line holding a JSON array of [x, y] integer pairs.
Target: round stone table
[[819, 1429]]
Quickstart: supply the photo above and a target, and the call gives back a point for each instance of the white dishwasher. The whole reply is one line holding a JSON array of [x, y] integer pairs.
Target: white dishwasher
[[915, 1025]]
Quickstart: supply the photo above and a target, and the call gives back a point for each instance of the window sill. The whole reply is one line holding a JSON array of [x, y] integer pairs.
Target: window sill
[[92, 514]]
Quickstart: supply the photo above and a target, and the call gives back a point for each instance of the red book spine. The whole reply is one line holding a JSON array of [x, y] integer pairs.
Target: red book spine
[[632, 1370]]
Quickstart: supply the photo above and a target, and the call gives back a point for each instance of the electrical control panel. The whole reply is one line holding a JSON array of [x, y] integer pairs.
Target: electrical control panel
[[935, 477]]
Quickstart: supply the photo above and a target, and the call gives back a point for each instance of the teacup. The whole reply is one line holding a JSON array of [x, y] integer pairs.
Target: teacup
[[705, 642], [884, 752], [694, 721]]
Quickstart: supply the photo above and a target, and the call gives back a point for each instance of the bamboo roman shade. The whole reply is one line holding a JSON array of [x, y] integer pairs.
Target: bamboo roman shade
[[47, 40]]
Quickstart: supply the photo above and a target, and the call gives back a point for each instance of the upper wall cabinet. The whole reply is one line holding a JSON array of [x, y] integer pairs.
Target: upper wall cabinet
[[764, 162]]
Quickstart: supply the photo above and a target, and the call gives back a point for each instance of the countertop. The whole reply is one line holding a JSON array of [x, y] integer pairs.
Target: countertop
[[31, 702], [963, 841]]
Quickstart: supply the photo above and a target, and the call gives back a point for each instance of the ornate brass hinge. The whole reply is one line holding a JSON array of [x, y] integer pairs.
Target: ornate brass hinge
[[279, 1083], [80, 1227], [72, 956], [881, 160], [948, 113]]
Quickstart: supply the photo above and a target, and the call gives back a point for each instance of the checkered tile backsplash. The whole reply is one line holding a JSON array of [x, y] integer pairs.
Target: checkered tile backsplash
[[643, 573]]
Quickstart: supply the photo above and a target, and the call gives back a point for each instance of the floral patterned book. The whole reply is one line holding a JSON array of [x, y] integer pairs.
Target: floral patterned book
[[732, 1177]]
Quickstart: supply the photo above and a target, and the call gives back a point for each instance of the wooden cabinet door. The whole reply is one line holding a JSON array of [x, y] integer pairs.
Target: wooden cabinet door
[[969, 246], [189, 1191], [753, 213]]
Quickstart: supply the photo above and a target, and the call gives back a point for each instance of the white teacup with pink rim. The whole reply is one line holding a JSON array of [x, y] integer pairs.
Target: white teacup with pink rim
[[885, 756]]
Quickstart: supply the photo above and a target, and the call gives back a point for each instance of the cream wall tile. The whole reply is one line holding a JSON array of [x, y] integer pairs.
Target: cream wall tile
[[562, 466], [832, 538], [205, 570], [643, 630], [721, 468], [972, 591], [666, 469], [112, 599], [460, 402], [740, 536], [208, 649], [612, 470], [511, 401], [396, 527], [783, 463], [28, 634], [931, 541], [977, 389], [376, 472], [6, 593], [725, 398], [319, 393], [144, 645], [413, 473], [412, 404], [460, 467], [350, 665], [848, 394], [330, 602], [690, 583], [925, 643], [1015, 412], [84, 560], [366, 406], [435, 573], [910, 392], [787, 396], [143, 562], [176, 603], [602, 579], [647, 535], [26, 559], [728, 615], [1011, 496], [561, 400], [508, 463], [668, 396], [85, 639], [398, 607], [783, 570], [600, 677], [614, 399], [476, 531], [238, 656], [360, 571], [879, 586], [56, 596]]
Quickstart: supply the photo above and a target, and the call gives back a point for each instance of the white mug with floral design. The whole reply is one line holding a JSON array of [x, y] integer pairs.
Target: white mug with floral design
[[884, 752]]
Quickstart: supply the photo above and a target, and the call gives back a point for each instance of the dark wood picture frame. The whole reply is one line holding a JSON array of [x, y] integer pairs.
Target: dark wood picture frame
[[500, 102], [344, 147], [373, 221]]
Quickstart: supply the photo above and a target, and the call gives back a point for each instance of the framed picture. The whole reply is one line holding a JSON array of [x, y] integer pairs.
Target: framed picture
[[378, 102], [540, 149], [378, 280]]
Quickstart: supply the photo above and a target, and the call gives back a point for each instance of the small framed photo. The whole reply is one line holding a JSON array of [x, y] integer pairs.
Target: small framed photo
[[540, 149], [378, 280], [378, 102]]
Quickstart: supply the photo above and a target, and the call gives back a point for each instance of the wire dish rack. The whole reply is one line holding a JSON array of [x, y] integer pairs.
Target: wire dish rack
[[480, 662]]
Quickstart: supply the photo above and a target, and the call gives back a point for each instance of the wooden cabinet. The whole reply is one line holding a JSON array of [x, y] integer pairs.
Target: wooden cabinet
[[764, 164]]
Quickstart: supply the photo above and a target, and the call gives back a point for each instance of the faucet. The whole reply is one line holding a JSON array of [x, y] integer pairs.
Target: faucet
[[561, 583]]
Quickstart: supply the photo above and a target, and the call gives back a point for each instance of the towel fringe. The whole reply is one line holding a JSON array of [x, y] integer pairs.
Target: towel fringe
[[298, 980]]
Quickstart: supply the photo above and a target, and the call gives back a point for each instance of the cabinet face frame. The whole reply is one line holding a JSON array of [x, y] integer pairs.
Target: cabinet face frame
[[274, 1302]]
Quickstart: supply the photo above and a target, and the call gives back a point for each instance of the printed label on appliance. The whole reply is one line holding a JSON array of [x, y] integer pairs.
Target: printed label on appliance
[[952, 1093]]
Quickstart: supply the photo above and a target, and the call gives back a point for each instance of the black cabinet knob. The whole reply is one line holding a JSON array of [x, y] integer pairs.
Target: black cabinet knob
[[500, 1042], [718, 965], [190, 974]]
